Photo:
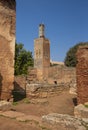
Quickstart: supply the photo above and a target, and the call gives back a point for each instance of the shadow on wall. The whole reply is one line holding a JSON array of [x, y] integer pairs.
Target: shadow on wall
[[75, 101], [18, 93], [1, 78]]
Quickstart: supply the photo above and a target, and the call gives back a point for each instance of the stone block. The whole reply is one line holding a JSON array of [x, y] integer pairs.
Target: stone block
[[33, 87], [65, 122], [81, 111], [4, 105], [44, 94]]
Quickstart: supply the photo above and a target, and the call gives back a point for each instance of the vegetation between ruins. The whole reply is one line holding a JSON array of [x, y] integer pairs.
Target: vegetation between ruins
[[23, 59], [70, 59]]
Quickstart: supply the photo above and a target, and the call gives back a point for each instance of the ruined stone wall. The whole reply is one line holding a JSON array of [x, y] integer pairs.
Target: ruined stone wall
[[82, 74], [7, 47], [37, 90], [44, 90], [40, 83], [60, 74]]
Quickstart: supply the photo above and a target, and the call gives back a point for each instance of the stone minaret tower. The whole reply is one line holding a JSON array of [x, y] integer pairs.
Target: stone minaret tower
[[41, 50]]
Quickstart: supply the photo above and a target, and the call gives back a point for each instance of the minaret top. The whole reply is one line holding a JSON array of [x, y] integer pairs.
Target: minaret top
[[41, 30]]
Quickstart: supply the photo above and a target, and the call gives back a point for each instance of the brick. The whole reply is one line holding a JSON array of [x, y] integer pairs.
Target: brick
[[82, 74]]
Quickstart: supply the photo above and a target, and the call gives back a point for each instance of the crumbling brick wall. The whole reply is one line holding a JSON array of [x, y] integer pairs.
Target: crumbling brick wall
[[82, 74], [7, 47]]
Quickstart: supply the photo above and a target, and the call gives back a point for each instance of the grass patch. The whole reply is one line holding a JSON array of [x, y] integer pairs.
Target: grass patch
[[36, 122], [26, 100], [44, 128], [25, 121], [31, 122], [86, 105], [15, 103]]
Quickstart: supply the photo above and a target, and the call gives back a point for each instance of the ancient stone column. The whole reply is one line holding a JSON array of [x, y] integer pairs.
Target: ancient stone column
[[82, 74], [7, 47]]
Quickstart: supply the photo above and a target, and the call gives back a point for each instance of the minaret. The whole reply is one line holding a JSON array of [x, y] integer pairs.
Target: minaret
[[41, 30], [41, 50]]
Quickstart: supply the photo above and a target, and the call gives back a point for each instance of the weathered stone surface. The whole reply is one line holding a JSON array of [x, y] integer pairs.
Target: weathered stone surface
[[4, 105], [33, 87], [73, 87], [66, 122], [7, 47], [82, 74], [81, 111], [44, 90], [32, 75]]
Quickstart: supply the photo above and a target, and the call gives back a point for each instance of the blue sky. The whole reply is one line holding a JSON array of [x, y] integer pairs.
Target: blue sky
[[66, 23]]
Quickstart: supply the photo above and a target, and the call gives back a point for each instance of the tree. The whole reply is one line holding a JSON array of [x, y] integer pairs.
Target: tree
[[23, 59], [70, 59]]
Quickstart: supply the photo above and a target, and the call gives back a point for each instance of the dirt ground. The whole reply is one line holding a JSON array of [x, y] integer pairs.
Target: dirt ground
[[62, 104]]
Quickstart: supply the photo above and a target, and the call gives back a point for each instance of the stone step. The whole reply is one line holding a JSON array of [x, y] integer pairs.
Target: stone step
[[20, 116], [11, 114], [4, 105]]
